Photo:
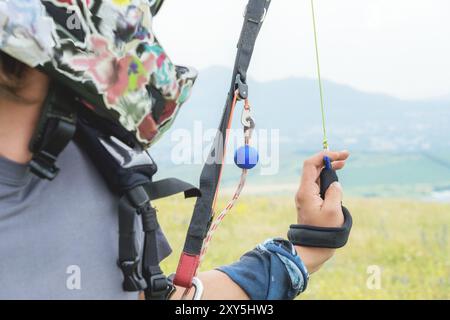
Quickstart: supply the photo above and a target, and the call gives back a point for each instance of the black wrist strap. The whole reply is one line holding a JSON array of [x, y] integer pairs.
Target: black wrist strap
[[322, 237]]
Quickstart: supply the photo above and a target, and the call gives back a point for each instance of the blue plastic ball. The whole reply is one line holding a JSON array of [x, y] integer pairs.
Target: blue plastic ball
[[246, 157]]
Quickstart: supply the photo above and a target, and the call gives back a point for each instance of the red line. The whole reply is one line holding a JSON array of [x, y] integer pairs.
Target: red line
[[230, 119]]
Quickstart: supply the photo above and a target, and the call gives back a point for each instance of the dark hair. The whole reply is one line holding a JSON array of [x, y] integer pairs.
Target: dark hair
[[11, 73]]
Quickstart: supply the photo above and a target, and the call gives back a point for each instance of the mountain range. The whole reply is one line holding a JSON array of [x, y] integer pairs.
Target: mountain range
[[355, 120]]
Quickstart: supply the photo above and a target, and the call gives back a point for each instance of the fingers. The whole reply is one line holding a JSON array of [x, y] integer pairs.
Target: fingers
[[312, 166], [338, 165], [333, 155], [308, 200]]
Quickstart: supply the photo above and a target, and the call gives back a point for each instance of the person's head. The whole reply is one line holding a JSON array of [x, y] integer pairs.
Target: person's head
[[22, 94], [21, 84], [104, 52]]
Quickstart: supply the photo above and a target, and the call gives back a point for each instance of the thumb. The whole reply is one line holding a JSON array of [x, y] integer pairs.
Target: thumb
[[333, 198]]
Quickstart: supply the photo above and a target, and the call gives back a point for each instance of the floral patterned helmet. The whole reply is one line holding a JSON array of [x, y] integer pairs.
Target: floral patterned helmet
[[106, 52]]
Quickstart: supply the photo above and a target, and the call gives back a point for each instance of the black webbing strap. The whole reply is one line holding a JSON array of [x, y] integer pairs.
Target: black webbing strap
[[150, 278], [169, 187], [209, 180], [157, 4], [157, 284], [129, 261], [128, 172], [255, 13], [55, 129]]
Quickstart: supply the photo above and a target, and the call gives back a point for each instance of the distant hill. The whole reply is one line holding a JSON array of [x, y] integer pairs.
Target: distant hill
[[355, 119]]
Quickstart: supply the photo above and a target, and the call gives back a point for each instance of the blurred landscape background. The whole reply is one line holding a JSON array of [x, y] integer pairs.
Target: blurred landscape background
[[399, 148], [387, 100], [396, 183]]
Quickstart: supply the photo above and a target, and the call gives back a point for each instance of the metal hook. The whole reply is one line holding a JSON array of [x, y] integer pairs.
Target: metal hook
[[246, 117], [196, 284]]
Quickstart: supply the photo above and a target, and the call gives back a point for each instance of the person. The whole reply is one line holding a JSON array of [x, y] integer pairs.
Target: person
[[59, 241]]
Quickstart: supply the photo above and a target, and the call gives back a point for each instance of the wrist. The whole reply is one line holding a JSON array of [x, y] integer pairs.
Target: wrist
[[314, 258]]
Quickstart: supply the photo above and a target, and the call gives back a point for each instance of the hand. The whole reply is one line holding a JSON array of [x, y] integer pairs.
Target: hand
[[311, 208]]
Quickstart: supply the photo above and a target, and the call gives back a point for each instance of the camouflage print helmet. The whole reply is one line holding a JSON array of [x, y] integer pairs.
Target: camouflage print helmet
[[106, 52]]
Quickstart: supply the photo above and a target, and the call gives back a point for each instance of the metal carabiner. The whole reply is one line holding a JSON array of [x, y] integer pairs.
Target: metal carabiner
[[246, 117], [196, 284], [198, 293]]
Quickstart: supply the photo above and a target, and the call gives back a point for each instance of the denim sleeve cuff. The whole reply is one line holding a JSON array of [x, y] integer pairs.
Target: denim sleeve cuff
[[271, 271]]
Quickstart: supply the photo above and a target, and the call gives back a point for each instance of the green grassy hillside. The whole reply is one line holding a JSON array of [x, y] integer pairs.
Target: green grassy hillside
[[408, 241]]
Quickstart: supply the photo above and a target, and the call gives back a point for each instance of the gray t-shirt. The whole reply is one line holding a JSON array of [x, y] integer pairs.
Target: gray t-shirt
[[59, 239]]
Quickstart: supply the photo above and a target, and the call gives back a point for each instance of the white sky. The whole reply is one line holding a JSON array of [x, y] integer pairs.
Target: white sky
[[399, 47]]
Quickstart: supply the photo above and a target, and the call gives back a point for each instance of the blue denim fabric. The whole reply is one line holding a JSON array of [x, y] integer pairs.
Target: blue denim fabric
[[271, 271]]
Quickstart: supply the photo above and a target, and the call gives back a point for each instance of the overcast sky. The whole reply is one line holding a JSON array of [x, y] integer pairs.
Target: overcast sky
[[399, 47]]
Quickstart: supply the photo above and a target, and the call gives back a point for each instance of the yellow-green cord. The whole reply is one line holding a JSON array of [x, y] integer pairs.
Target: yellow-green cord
[[325, 140]]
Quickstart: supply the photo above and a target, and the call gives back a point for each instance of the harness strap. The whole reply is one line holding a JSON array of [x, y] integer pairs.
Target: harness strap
[[157, 4], [157, 286], [150, 277], [55, 129], [210, 177], [169, 187], [129, 261], [128, 171]]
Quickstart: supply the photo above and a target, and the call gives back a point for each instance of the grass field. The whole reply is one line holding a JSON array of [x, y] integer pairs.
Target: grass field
[[408, 241]]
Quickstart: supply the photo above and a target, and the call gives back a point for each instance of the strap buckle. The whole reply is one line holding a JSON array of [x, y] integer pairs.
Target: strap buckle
[[46, 147], [133, 280], [43, 166], [241, 87], [159, 287]]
